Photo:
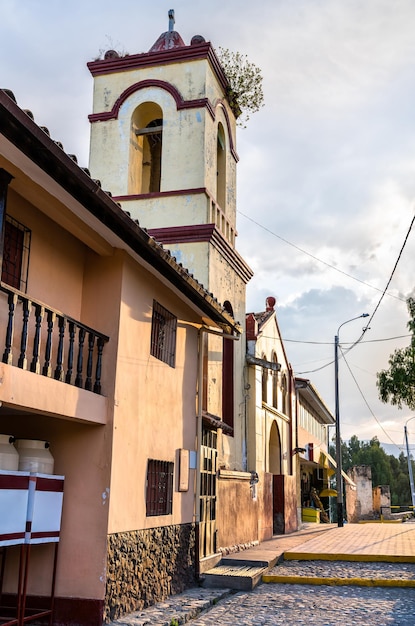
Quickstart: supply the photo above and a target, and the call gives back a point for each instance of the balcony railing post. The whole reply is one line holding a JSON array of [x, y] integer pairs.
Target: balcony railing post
[[27, 307], [8, 351], [91, 344], [80, 362], [47, 368], [59, 356], [69, 371], [39, 314], [100, 346]]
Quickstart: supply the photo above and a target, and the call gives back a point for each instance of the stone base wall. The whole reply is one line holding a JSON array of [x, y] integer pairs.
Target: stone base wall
[[147, 566]]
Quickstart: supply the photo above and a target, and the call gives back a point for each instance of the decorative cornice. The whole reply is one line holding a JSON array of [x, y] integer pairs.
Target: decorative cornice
[[204, 233], [148, 59], [162, 57], [183, 234], [144, 84]]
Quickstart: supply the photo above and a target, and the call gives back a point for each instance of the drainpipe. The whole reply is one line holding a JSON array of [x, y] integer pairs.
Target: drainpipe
[[290, 447]]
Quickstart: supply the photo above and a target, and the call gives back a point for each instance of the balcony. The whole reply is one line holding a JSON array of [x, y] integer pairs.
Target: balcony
[[38, 339]]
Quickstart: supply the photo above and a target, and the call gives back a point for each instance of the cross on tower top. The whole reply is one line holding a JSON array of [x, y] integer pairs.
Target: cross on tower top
[[171, 20]]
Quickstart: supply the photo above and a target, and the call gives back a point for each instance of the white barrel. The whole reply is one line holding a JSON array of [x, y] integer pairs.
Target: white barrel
[[34, 456], [9, 457]]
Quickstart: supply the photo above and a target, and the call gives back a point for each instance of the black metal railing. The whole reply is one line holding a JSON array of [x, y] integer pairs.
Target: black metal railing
[[47, 342]]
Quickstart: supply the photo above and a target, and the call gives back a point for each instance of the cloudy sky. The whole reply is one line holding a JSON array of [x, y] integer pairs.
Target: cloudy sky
[[326, 190]]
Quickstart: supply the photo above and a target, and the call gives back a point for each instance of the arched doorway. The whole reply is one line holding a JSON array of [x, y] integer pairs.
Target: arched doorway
[[274, 464], [274, 456]]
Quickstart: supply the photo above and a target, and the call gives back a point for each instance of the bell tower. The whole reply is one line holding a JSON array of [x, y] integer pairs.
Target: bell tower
[[163, 142]]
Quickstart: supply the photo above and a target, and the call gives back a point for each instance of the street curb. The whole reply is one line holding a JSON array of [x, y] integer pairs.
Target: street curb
[[320, 580], [364, 558]]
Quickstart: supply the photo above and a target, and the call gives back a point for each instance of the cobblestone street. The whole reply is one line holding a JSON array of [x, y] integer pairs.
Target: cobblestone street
[[381, 592], [295, 604], [299, 605]]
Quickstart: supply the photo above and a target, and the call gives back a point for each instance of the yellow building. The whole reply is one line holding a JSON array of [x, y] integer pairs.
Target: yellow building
[[271, 422]]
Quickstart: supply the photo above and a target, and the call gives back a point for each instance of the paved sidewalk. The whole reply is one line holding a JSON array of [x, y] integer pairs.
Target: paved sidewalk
[[353, 542], [360, 542]]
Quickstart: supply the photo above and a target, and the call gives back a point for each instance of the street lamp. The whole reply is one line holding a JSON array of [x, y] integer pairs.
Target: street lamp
[[339, 479], [411, 475]]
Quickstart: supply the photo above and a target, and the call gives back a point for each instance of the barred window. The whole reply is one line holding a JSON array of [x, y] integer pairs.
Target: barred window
[[159, 489], [163, 334], [15, 254]]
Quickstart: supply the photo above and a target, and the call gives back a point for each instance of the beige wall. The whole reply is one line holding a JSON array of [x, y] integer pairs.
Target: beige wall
[[155, 409]]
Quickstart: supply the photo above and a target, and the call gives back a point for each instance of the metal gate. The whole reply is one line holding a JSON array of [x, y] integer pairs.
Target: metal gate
[[208, 468]]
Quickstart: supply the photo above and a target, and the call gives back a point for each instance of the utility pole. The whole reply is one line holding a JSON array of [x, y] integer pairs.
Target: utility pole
[[411, 475]]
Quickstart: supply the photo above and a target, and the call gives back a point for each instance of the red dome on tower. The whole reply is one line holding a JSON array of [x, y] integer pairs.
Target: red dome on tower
[[168, 40]]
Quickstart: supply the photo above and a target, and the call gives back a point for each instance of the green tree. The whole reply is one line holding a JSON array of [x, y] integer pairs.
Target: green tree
[[245, 94], [396, 384], [386, 469]]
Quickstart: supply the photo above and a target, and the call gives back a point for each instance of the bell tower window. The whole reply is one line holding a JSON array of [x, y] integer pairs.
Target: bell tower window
[[221, 168], [146, 149]]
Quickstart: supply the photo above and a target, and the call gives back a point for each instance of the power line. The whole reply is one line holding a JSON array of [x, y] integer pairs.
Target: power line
[[393, 271], [365, 401], [330, 343], [376, 308], [333, 267]]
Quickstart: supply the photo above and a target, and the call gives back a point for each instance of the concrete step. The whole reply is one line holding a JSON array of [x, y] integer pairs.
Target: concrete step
[[240, 577]]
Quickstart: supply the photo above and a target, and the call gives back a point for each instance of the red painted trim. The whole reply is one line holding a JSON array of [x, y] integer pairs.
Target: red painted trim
[[145, 84], [228, 125], [11, 536], [10, 481], [160, 57], [183, 234], [208, 233], [161, 194], [50, 484], [45, 533]]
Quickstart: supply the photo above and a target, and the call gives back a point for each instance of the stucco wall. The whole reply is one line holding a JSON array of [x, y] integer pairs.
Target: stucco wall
[[154, 404], [56, 259], [237, 519]]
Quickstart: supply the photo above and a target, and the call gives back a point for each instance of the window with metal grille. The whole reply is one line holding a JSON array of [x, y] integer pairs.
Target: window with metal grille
[[15, 254], [159, 491], [163, 334]]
